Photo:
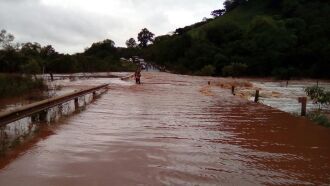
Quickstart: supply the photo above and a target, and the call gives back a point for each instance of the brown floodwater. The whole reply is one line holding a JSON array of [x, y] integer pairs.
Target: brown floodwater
[[175, 130], [12, 103]]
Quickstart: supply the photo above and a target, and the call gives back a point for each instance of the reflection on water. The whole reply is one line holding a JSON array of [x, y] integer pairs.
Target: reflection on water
[[168, 132]]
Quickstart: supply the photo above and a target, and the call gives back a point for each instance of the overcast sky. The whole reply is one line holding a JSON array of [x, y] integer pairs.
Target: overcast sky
[[72, 25]]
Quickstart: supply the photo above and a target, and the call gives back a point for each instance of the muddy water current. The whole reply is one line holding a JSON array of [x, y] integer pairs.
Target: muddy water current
[[175, 130]]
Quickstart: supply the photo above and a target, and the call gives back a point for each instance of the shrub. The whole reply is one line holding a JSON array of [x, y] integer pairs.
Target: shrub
[[320, 119], [207, 70], [235, 69], [32, 67], [322, 98], [318, 95]]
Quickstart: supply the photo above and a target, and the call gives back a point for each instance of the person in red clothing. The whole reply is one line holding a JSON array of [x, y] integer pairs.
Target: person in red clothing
[[138, 76]]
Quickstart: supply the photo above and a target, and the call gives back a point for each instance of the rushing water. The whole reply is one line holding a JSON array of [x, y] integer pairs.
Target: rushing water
[[175, 130], [276, 94]]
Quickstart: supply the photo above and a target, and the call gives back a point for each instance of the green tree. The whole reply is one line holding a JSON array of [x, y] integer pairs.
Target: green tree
[[131, 43], [102, 49], [5, 39], [145, 37], [268, 41], [289, 6], [318, 95], [48, 51], [32, 68], [232, 4], [217, 13], [224, 34], [31, 49], [64, 64]]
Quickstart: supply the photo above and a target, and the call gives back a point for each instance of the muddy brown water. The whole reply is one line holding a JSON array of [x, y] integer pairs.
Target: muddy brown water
[[175, 130], [12, 103]]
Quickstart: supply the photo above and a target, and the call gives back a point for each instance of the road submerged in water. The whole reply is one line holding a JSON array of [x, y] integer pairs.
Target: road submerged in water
[[176, 130]]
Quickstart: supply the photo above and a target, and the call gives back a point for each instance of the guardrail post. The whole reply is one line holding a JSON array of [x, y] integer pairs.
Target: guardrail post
[[256, 98], [43, 115], [76, 103], [60, 109], [35, 118], [51, 77], [85, 103], [39, 117], [303, 101]]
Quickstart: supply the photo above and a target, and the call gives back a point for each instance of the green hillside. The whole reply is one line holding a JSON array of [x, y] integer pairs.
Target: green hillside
[[241, 16], [281, 38]]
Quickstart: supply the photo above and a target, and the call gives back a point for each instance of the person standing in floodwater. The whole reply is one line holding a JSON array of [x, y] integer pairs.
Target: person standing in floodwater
[[138, 76]]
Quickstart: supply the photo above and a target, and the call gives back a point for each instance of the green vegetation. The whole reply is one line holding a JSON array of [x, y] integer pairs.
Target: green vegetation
[[20, 63], [234, 69], [145, 36], [15, 85], [318, 95], [319, 118], [32, 58], [280, 38], [207, 70], [322, 98], [131, 43]]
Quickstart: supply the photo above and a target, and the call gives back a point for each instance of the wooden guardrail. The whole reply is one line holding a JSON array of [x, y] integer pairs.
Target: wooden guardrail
[[34, 108]]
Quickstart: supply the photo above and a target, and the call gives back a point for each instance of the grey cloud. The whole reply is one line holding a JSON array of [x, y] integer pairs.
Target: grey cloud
[[30, 21], [71, 30]]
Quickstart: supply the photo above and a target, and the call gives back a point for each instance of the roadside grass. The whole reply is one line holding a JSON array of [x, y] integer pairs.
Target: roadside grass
[[319, 118]]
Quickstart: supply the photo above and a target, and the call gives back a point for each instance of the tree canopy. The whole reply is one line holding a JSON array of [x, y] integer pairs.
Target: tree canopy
[[280, 38], [131, 43], [5, 38], [32, 58], [145, 37]]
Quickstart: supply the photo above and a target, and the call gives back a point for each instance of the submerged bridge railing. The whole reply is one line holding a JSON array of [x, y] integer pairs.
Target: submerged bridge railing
[[40, 108], [127, 77]]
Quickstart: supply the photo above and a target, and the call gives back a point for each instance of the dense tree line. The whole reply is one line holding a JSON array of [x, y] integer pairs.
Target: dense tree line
[[32, 58], [281, 38]]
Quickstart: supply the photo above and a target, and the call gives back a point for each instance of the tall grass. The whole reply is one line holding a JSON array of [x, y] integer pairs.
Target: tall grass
[[16, 85], [320, 119]]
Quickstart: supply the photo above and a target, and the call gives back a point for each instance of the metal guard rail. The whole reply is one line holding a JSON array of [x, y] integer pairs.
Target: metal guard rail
[[34, 108], [127, 77]]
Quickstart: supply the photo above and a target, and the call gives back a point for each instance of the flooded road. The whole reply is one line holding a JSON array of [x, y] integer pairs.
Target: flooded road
[[175, 130]]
